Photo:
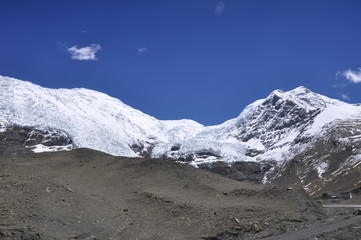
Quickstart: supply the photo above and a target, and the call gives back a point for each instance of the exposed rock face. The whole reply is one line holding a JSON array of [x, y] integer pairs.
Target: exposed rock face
[[143, 149], [279, 114], [330, 162], [16, 140], [240, 171]]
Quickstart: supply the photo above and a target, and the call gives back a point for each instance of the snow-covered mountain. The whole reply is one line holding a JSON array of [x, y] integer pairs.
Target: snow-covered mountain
[[92, 119], [274, 131]]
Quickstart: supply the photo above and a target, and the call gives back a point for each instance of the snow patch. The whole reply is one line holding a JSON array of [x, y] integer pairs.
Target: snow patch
[[332, 113], [321, 168], [42, 148], [2, 128]]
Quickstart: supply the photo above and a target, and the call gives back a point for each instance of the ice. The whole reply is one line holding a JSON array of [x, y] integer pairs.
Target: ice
[[92, 119], [98, 121], [334, 112], [41, 148]]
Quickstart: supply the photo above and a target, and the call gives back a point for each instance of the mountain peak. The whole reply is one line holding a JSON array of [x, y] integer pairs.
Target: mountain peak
[[98, 121], [272, 130], [301, 89], [273, 118], [300, 96]]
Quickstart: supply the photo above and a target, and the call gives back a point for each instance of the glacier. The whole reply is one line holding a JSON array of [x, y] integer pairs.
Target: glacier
[[268, 129]]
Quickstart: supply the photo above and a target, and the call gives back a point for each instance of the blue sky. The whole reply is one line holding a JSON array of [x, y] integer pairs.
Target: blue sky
[[199, 59]]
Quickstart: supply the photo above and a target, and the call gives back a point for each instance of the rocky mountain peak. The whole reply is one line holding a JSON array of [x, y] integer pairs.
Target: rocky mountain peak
[[286, 127], [300, 96], [280, 113]]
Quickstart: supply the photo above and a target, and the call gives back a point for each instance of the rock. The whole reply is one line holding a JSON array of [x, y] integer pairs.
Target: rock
[[175, 148], [240, 171], [19, 139], [358, 212]]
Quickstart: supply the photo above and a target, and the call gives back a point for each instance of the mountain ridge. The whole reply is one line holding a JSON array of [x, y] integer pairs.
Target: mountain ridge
[[274, 130]]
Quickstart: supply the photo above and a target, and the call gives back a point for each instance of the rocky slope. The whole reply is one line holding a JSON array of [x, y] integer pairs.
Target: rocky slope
[[85, 194], [17, 140], [329, 162], [298, 137]]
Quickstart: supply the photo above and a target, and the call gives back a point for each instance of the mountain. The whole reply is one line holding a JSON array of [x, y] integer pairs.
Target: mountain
[[295, 137]]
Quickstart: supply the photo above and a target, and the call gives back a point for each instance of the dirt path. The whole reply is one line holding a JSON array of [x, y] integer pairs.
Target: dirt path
[[307, 233], [342, 205], [84, 194]]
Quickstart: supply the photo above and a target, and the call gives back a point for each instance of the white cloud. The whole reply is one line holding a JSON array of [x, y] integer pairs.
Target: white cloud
[[345, 96], [84, 53], [219, 8], [352, 76], [142, 50], [340, 85]]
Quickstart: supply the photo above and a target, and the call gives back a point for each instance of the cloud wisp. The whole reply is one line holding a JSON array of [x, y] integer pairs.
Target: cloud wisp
[[352, 76], [142, 50], [345, 97], [340, 85], [219, 8], [85, 53]]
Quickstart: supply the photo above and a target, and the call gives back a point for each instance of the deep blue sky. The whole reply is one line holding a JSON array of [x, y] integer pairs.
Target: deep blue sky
[[199, 59]]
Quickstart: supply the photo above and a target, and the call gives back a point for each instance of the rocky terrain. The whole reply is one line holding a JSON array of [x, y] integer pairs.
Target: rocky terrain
[[330, 163], [84, 194], [255, 176]]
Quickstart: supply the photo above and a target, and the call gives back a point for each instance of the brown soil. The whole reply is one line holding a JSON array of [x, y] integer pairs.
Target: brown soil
[[84, 194]]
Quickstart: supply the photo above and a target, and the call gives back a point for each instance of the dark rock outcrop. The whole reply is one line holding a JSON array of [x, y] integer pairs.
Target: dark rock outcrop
[[15, 140], [240, 171]]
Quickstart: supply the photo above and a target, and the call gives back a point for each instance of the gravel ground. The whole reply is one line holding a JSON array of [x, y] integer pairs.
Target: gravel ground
[[85, 194]]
